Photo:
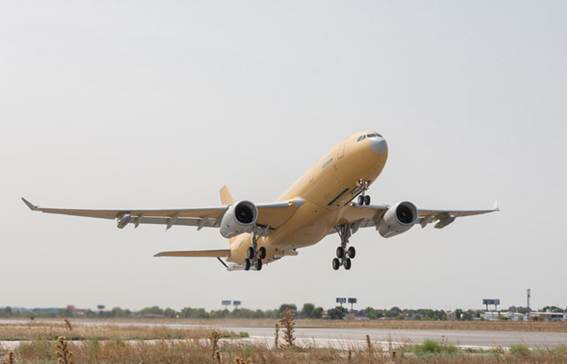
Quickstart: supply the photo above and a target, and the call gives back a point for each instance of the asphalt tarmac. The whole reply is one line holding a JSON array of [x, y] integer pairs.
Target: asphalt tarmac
[[344, 338], [350, 338]]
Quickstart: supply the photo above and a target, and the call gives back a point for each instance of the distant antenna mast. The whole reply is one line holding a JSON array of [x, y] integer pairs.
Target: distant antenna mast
[[529, 295]]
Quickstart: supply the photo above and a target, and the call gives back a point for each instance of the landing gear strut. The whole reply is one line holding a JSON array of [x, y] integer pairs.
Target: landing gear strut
[[254, 255], [344, 255], [363, 198]]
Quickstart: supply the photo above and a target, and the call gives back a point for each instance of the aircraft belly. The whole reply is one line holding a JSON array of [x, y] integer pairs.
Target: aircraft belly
[[310, 224]]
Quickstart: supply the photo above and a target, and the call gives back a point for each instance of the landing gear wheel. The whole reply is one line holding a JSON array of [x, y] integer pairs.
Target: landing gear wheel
[[361, 200], [258, 264], [367, 200], [250, 253], [340, 252], [247, 264], [351, 252], [336, 264], [262, 253], [347, 263]]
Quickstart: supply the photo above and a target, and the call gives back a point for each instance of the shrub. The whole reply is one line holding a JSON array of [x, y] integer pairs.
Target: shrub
[[520, 350], [429, 347]]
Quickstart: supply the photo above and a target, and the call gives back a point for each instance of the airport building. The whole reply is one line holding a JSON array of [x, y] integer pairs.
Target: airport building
[[516, 316]]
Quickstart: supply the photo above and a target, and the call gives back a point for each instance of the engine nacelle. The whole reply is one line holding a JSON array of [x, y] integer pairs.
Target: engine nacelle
[[398, 219], [238, 219]]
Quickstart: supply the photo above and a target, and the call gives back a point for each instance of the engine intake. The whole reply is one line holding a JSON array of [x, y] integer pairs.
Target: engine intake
[[398, 219], [238, 219]]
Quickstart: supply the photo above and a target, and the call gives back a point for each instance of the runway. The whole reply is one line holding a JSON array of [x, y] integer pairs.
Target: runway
[[345, 338], [351, 338]]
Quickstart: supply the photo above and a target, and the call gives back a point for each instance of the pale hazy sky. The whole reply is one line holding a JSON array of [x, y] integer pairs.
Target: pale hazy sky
[[151, 104]]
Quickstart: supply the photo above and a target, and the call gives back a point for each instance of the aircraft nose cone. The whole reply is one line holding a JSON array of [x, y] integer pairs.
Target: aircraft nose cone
[[379, 145]]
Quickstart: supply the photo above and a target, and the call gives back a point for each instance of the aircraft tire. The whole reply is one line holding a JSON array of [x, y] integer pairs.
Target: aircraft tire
[[367, 200], [351, 252], [250, 253], [247, 264], [258, 264], [361, 200], [340, 252], [336, 264], [348, 263], [262, 253]]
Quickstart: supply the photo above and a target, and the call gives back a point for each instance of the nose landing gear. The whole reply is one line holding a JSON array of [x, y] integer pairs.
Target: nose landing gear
[[363, 198], [344, 255]]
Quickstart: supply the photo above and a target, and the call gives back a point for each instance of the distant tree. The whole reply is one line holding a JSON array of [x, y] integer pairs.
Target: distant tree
[[307, 310], [118, 312], [394, 312], [459, 314], [154, 310], [337, 313], [7, 311], [552, 309], [170, 313], [372, 313], [318, 312], [287, 306], [220, 314], [186, 312], [244, 313], [200, 313]]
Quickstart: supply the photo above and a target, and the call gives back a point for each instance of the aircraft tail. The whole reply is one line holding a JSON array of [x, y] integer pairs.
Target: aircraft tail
[[225, 196]]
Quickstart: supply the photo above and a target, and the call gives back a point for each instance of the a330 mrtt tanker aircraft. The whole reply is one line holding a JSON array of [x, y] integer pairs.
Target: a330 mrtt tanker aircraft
[[318, 204]]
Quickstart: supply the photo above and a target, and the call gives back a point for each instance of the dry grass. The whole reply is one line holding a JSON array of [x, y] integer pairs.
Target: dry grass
[[288, 323], [64, 354], [9, 358], [373, 324], [195, 351], [52, 331], [127, 345]]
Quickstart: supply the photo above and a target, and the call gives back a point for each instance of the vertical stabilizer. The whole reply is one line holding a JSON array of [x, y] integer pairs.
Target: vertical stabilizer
[[225, 196]]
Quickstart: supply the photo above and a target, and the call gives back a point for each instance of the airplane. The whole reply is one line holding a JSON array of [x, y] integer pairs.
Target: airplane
[[331, 198]]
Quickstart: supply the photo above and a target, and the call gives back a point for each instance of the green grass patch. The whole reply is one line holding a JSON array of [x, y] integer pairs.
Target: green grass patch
[[432, 347], [520, 350]]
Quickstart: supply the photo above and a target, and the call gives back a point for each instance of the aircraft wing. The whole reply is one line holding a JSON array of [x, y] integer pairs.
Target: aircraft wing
[[368, 216], [271, 215]]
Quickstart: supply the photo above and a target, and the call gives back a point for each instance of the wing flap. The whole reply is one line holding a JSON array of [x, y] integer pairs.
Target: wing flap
[[195, 253], [270, 215], [361, 213], [367, 216]]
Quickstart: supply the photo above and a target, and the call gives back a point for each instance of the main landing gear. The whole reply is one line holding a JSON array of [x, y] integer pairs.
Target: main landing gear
[[254, 255], [344, 254]]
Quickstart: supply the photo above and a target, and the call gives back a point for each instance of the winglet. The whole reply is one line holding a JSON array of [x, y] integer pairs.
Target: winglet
[[30, 205], [495, 206]]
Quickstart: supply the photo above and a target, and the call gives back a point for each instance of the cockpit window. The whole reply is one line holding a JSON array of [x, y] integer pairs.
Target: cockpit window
[[371, 135], [374, 135]]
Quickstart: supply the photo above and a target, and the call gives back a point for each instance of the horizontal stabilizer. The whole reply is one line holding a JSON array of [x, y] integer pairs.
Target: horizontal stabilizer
[[195, 253]]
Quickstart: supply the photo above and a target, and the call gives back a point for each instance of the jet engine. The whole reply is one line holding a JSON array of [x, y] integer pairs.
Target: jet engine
[[398, 219], [239, 218]]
